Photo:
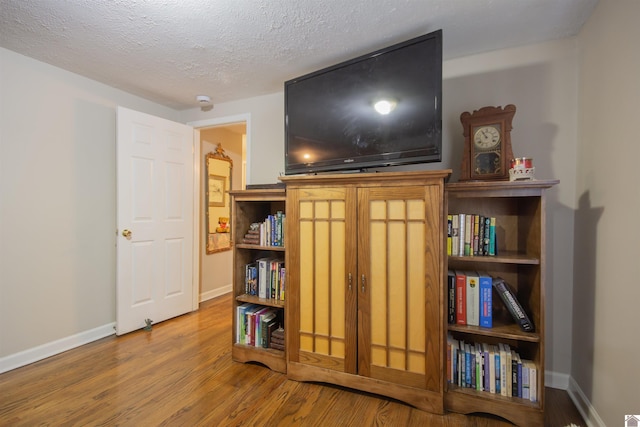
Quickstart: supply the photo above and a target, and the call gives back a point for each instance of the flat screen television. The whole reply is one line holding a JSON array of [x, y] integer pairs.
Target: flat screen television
[[331, 117]]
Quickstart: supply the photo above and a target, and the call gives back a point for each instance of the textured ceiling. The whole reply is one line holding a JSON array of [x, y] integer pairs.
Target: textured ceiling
[[169, 51]]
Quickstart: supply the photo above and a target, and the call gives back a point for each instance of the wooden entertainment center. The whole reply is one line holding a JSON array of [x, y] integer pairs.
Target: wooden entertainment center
[[366, 266]]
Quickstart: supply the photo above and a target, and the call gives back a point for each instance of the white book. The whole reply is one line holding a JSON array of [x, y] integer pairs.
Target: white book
[[533, 381], [473, 298], [264, 283]]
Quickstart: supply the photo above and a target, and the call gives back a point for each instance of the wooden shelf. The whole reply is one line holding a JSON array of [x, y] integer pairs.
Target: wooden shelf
[[270, 302], [500, 331], [260, 248], [520, 238], [250, 206], [509, 257]]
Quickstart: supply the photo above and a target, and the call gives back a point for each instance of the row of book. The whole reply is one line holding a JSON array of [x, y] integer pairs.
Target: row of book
[[269, 232], [265, 278], [259, 326], [493, 368], [471, 235], [470, 300]]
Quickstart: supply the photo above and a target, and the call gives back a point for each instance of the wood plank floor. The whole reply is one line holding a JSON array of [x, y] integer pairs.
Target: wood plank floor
[[181, 374]]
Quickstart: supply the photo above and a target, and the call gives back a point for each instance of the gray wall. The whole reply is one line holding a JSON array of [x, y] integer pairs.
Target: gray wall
[[606, 333]]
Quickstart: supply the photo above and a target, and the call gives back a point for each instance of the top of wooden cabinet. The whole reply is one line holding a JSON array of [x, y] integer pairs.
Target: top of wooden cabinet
[[363, 178], [499, 188]]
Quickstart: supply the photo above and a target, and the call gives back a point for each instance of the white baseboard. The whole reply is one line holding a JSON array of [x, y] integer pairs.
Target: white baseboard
[[556, 380], [583, 405], [43, 351], [566, 382], [215, 293]]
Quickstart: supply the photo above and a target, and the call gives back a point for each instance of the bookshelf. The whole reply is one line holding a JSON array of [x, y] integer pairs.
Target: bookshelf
[[519, 209], [251, 206]]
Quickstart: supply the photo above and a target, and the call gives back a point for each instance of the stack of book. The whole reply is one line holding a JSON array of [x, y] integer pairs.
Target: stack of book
[[493, 368], [277, 339], [252, 237], [265, 278], [471, 235], [269, 232], [470, 296], [255, 324]]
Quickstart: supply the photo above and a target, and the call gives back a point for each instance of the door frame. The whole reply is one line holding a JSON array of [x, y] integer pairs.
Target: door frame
[[197, 125]]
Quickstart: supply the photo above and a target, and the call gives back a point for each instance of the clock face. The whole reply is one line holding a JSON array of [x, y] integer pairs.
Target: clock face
[[486, 137]]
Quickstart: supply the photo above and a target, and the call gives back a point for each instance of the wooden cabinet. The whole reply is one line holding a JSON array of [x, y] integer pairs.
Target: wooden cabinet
[[519, 209], [365, 264], [252, 206]]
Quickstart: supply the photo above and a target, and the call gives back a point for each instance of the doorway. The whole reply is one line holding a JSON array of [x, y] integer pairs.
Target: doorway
[[232, 135]]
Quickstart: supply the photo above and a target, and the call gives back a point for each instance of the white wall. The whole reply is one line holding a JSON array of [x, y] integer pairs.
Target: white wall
[[265, 135], [541, 80], [57, 202], [606, 336]]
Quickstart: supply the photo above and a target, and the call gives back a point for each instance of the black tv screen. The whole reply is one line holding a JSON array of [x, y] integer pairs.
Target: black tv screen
[[331, 122]]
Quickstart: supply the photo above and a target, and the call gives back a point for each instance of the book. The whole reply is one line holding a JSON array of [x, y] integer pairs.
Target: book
[[283, 276], [515, 385], [250, 325], [451, 297], [503, 369], [265, 334], [492, 236], [461, 298], [461, 232], [533, 381], [517, 375], [257, 325], [473, 298], [251, 278], [264, 283], [492, 369], [455, 235], [476, 235], [486, 235], [486, 303], [498, 372], [481, 235], [468, 234], [268, 331], [449, 234], [525, 380], [241, 323], [486, 360], [514, 307]]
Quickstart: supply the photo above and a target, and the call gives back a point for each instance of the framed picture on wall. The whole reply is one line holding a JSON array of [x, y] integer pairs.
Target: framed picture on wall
[[217, 188]]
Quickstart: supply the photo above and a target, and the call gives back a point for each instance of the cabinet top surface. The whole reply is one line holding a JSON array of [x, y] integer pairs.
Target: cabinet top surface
[[259, 192], [500, 185], [363, 177]]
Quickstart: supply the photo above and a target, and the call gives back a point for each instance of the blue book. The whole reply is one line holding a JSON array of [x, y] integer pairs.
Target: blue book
[[486, 303]]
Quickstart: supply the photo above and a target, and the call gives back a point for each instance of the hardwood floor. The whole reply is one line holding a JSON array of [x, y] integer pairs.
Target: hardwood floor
[[181, 374]]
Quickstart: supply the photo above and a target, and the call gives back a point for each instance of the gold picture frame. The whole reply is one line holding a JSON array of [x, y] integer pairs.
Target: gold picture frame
[[218, 167]]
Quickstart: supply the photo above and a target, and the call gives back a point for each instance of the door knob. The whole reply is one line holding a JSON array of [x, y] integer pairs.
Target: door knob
[[126, 233]]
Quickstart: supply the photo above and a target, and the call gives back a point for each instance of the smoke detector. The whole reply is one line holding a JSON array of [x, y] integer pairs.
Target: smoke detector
[[205, 102]]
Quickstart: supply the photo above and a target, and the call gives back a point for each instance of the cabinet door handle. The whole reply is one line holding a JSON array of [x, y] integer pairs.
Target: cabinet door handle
[[350, 281], [363, 281]]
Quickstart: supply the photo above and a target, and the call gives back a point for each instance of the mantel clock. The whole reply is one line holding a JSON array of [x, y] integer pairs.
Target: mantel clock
[[487, 143]]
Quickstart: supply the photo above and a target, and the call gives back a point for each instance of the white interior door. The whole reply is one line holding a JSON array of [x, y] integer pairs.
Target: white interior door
[[155, 215]]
